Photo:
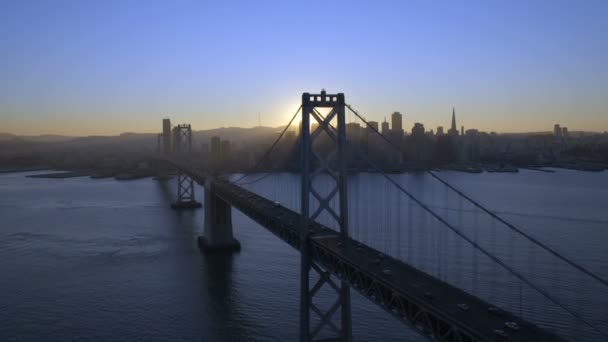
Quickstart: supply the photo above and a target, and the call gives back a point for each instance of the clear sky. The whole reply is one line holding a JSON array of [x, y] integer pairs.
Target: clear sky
[[105, 67]]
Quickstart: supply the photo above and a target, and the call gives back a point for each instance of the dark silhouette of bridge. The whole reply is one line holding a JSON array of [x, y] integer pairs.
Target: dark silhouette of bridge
[[430, 305]]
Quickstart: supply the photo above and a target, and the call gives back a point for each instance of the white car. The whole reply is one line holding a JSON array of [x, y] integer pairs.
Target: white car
[[512, 325], [500, 333]]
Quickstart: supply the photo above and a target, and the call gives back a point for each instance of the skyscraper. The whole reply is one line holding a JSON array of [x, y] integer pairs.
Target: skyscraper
[[453, 130], [397, 122], [418, 130], [372, 127], [353, 132], [439, 130], [166, 136], [385, 127], [557, 131]]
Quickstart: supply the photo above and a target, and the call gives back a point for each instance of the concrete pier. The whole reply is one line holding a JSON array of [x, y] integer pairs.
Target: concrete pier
[[218, 235]]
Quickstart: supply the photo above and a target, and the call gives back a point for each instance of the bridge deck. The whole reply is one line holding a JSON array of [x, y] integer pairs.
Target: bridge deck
[[414, 297], [429, 296]]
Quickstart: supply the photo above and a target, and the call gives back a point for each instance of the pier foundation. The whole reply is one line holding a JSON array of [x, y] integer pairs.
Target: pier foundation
[[217, 235]]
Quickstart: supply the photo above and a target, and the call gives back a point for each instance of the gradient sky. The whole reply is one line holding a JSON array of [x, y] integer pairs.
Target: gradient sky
[[105, 67]]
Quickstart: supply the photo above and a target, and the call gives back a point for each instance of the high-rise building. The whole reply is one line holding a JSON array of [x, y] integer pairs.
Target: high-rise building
[[166, 135], [439, 130], [385, 127], [372, 127], [418, 130], [175, 136], [471, 132], [564, 132], [353, 132], [461, 130], [557, 131], [453, 130], [397, 122]]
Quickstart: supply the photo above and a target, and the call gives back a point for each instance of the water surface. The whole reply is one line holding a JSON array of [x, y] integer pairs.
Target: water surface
[[87, 259]]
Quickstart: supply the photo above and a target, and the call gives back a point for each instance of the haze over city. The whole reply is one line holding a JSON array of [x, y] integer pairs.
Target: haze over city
[[101, 68]]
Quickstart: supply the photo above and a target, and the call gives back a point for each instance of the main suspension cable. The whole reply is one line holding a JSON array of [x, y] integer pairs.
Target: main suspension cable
[[261, 160]]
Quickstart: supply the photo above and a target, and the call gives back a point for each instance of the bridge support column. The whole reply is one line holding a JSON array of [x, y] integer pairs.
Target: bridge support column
[[334, 166], [185, 194], [218, 235], [182, 146]]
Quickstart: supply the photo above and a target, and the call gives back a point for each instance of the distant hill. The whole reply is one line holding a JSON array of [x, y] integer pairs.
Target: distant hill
[[7, 136], [35, 138], [129, 142], [237, 134]]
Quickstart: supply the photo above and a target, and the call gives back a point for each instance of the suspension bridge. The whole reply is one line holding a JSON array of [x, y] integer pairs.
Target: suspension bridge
[[424, 298]]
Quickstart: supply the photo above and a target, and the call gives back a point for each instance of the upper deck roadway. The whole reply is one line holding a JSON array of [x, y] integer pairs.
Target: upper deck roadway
[[440, 310]]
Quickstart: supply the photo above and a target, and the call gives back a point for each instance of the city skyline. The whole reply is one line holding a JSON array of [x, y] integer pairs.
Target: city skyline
[[440, 129], [107, 68]]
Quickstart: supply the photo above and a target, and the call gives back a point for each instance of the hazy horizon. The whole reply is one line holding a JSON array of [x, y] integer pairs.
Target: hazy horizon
[[407, 131], [104, 68]]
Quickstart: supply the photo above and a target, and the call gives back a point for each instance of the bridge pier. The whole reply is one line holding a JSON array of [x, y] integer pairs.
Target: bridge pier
[[185, 194], [218, 235]]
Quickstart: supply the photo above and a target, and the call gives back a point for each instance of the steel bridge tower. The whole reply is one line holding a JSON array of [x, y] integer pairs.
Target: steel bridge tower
[[333, 165], [182, 138]]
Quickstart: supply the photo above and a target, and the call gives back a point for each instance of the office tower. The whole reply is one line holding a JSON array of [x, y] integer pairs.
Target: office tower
[[372, 127], [385, 127], [397, 122], [439, 130], [175, 136], [353, 132], [453, 130], [557, 131], [418, 130], [166, 135]]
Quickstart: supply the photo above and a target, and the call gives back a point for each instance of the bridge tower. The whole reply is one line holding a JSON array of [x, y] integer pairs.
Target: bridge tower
[[333, 165], [185, 185]]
